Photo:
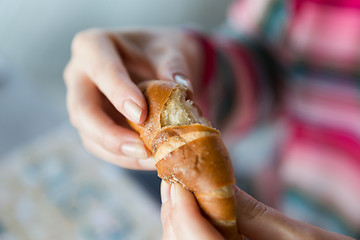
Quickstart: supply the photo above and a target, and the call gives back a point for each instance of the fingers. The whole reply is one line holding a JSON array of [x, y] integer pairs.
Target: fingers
[[96, 55], [100, 134], [164, 54], [117, 159], [181, 216], [168, 63], [167, 58], [250, 217], [258, 221], [168, 230], [172, 66], [99, 70]]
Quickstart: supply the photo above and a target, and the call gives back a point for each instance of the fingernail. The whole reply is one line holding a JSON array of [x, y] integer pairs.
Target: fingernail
[[164, 191], [133, 111], [183, 80], [134, 149], [173, 194]]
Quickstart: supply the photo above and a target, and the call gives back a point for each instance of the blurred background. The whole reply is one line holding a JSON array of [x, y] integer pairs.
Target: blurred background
[[44, 171], [51, 188]]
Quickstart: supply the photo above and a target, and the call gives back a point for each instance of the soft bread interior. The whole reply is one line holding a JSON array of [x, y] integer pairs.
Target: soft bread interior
[[179, 111]]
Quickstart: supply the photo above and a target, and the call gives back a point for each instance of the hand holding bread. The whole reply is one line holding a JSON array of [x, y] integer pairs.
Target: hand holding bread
[[101, 79]]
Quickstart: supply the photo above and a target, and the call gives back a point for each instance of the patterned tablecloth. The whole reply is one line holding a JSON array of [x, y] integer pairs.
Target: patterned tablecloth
[[53, 189]]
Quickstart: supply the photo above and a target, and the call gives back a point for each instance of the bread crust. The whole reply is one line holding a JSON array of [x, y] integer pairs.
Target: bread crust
[[156, 94], [193, 155], [196, 165], [169, 132]]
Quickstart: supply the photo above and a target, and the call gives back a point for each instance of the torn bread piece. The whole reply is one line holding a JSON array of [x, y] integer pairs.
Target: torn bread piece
[[180, 111], [189, 151]]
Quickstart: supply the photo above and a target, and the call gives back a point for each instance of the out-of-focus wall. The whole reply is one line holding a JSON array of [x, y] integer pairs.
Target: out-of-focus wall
[[35, 38], [35, 35]]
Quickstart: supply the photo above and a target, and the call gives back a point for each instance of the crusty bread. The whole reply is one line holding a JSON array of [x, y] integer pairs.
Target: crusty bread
[[189, 151]]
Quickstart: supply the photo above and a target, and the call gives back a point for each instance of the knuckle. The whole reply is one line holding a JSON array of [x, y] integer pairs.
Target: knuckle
[[79, 112], [108, 69], [112, 142], [157, 47], [113, 68], [73, 119], [86, 144], [86, 36], [106, 140], [72, 113], [73, 109], [107, 137], [79, 39], [67, 73], [175, 63], [254, 209]]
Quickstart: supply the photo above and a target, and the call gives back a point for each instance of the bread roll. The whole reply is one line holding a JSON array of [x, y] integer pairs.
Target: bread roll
[[189, 151]]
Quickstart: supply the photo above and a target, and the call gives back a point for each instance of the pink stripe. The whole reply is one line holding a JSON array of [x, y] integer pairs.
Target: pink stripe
[[326, 174], [324, 163], [334, 138], [325, 113], [208, 57], [203, 98], [246, 55], [209, 64], [314, 24], [245, 106], [241, 18], [324, 103], [334, 3], [252, 86]]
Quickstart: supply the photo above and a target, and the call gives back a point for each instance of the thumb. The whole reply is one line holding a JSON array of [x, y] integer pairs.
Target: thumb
[[182, 217], [258, 221]]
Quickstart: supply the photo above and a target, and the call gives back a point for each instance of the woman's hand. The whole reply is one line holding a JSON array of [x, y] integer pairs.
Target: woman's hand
[[181, 219], [101, 80]]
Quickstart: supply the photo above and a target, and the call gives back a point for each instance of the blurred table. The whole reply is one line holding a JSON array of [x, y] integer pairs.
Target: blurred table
[[51, 188]]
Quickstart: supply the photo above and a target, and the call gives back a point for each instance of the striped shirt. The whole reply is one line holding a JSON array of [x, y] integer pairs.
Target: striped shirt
[[282, 82]]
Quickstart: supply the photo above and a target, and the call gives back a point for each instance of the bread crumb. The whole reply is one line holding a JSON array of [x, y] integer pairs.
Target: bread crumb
[[179, 111]]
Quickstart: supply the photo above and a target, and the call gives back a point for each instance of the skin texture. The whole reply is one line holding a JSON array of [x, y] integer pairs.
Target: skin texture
[[101, 79], [181, 219]]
